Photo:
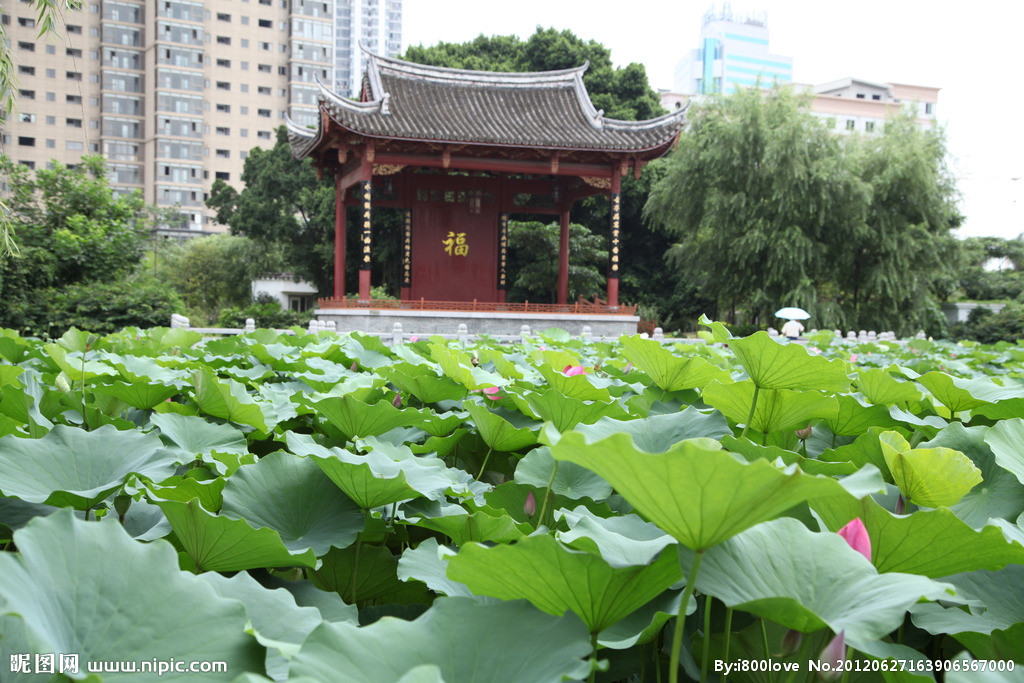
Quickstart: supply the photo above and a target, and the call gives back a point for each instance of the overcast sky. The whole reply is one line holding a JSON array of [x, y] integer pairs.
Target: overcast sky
[[968, 49]]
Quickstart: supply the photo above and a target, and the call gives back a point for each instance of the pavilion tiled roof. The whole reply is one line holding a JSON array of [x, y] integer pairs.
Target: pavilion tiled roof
[[545, 110]]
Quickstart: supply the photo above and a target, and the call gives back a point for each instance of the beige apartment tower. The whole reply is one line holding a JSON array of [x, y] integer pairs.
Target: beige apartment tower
[[174, 93]]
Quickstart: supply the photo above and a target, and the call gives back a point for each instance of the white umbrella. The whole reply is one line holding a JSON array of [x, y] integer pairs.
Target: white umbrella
[[792, 313]]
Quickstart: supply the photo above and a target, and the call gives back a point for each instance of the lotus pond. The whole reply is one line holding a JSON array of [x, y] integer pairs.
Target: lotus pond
[[327, 508]]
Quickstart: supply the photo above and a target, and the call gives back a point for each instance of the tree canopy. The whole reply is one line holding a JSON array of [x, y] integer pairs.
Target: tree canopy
[[771, 209]]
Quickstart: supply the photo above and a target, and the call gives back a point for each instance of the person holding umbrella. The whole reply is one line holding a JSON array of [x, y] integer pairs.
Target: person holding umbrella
[[793, 327]]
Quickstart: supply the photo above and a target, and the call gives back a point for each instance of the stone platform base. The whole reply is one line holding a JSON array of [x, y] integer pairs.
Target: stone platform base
[[494, 324]]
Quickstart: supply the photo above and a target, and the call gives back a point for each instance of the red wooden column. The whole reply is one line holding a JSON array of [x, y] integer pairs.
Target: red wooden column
[[339, 238], [616, 212], [366, 194], [563, 256]]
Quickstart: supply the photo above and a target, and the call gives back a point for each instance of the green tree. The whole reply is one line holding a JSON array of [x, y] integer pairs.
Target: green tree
[[533, 261], [974, 282]]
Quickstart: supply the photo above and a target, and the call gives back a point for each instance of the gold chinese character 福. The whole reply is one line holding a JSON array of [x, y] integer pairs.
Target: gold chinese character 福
[[455, 244]]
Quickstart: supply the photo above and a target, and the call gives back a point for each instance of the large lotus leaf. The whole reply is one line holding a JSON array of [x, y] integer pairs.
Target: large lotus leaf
[[577, 386], [989, 674], [497, 432], [228, 400], [458, 366], [570, 480], [881, 388], [1000, 495], [88, 589], [774, 365], [557, 579], [1005, 439], [1004, 645], [485, 525], [221, 544], [696, 492], [658, 433], [76, 365], [644, 624], [423, 383], [24, 404], [566, 412], [70, 466], [998, 599], [376, 577], [330, 605], [930, 477], [197, 437], [777, 409], [508, 642], [959, 394], [374, 479], [142, 369], [292, 496], [622, 541], [668, 371], [355, 418], [141, 395], [443, 424], [933, 543], [428, 563], [210, 493], [807, 581], [866, 449], [853, 417]]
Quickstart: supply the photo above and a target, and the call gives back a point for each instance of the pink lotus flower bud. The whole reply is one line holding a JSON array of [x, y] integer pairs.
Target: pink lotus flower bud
[[805, 433], [853, 358], [832, 658], [355, 366], [573, 370], [857, 536], [414, 339], [530, 506], [397, 400], [492, 393], [628, 368], [791, 642], [542, 348]]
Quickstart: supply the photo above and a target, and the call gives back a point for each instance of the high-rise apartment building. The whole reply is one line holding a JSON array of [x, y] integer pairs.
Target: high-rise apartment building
[[174, 93], [374, 24], [732, 54]]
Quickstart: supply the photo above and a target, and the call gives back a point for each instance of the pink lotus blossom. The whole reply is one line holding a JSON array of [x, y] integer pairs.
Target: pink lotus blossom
[[414, 338], [832, 657], [573, 370], [853, 358], [814, 349], [530, 506], [857, 536], [492, 393], [542, 348]]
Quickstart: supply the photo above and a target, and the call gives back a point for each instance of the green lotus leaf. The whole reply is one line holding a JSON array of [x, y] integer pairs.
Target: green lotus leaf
[[423, 383], [497, 432], [567, 412], [931, 477], [696, 492], [643, 624], [997, 595], [443, 424], [959, 394], [865, 449], [570, 480], [354, 418], [141, 395], [24, 404], [622, 541], [221, 544], [494, 526], [933, 543], [1005, 439], [1000, 645], [196, 437], [182, 489], [807, 581], [853, 417], [375, 569], [774, 365], [668, 371], [557, 579], [428, 563], [777, 409], [228, 400], [75, 366], [292, 496], [457, 635], [70, 466], [1000, 496], [374, 479], [658, 433], [576, 386], [881, 388], [88, 589], [458, 366]]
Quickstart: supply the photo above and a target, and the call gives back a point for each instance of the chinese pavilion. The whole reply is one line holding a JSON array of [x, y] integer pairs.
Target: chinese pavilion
[[459, 151]]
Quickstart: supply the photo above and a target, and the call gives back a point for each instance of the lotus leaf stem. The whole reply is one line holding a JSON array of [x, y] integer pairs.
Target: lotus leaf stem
[[677, 637], [706, 652], [593, 658], [484, 465], [728, 637], [753, 407], [767, 650], [547, 494]]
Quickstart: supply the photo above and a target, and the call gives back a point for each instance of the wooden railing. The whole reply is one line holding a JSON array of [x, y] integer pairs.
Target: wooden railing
[[482, 306]]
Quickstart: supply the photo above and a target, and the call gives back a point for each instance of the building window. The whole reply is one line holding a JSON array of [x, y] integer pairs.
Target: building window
[[74, 145], [73, 123], [51, 120], [263, 90], [224, 62], [31, 165], [264, 68], [876, 97], [860, 96], [74, 75], [223, 130], [263, 134], [27, 118], [73, 52], [27, 47], [27, 94], [26, 141], [928, 108], [245, 20], [51, 73], [223, 154], [265, 113], [73, 99], [266, 23], [850, 124], [29, 70], [222, 175], [71, 28], [223, 85], [223, 40], [223, 17], [869, 126], [224, 108], [51, 143], [26, 22]]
